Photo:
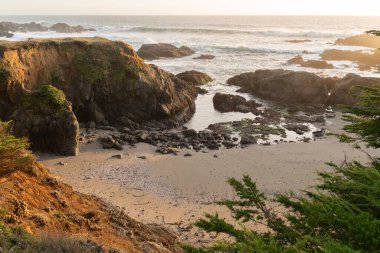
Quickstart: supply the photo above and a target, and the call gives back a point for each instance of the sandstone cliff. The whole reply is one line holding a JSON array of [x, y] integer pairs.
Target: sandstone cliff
[[106, 81], [34, 200]]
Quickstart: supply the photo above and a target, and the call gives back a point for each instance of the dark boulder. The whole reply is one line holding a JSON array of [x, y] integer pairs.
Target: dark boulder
[[234, 103], [247, 139], [347, 91], [285, 86]]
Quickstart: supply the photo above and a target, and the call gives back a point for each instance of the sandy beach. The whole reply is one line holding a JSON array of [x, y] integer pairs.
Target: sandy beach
[[177, 190]]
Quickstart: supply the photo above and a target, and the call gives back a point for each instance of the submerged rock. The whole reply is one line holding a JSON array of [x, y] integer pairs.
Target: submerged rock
[[298, 41], [195, 77], [317, 64], [163, 50], [205, 57]]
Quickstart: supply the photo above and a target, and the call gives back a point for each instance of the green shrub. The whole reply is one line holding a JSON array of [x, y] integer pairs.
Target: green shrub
[[47, 97], [14, 153], [341, 214]]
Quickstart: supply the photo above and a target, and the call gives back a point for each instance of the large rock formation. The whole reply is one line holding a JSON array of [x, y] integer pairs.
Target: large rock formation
[[195, 77], [346, 90], [106, 81], [285, 86], [291, 87], [364, 60], [363, 40], [47, 119], [163, 50]]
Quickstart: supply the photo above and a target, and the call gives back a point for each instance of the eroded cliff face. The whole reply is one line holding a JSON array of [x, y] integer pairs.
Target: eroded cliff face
[[44, 206], [106, 81], [102, 81]]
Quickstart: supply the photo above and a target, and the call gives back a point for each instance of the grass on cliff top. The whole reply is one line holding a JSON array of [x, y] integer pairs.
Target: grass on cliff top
[[47, 97], [14, 153]]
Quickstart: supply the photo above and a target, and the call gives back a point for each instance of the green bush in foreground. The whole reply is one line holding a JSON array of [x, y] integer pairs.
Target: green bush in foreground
[[18, 241], [14, 154], [341, 214]]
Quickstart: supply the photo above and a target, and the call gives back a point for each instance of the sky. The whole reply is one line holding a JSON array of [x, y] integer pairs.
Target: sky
[[190, 7]]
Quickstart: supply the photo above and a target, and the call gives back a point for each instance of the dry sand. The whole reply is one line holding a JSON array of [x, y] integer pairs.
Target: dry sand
[[177, 190]]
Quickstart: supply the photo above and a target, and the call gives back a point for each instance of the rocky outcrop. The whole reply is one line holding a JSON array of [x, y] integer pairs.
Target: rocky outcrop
[[317, 64], [347, 91], [364, 60], [302, 88], [163, 50], [40, 204], [47, 119], [284, 86], [363, 40], [234, 103], [106, 81], [65, 28], [4, 32], [205, 57], [195, 77]]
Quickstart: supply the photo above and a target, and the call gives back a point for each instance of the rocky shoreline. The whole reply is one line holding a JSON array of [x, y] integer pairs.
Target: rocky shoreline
[[7, 29], [100, 83]]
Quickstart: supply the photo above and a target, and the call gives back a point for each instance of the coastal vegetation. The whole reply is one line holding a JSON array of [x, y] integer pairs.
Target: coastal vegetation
[[340, 214]]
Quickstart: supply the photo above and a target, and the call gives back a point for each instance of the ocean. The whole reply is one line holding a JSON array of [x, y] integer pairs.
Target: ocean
[[240, 44]]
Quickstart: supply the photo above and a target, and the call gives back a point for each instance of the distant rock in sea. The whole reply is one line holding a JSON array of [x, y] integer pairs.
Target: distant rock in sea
[[65, 28], [298, 41], [363, 40], [8, 28], [205, 57], [365, 60], [317, 64], [163, 50]]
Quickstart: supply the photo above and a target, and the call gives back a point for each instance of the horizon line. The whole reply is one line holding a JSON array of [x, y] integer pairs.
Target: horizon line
[[198, 15]]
